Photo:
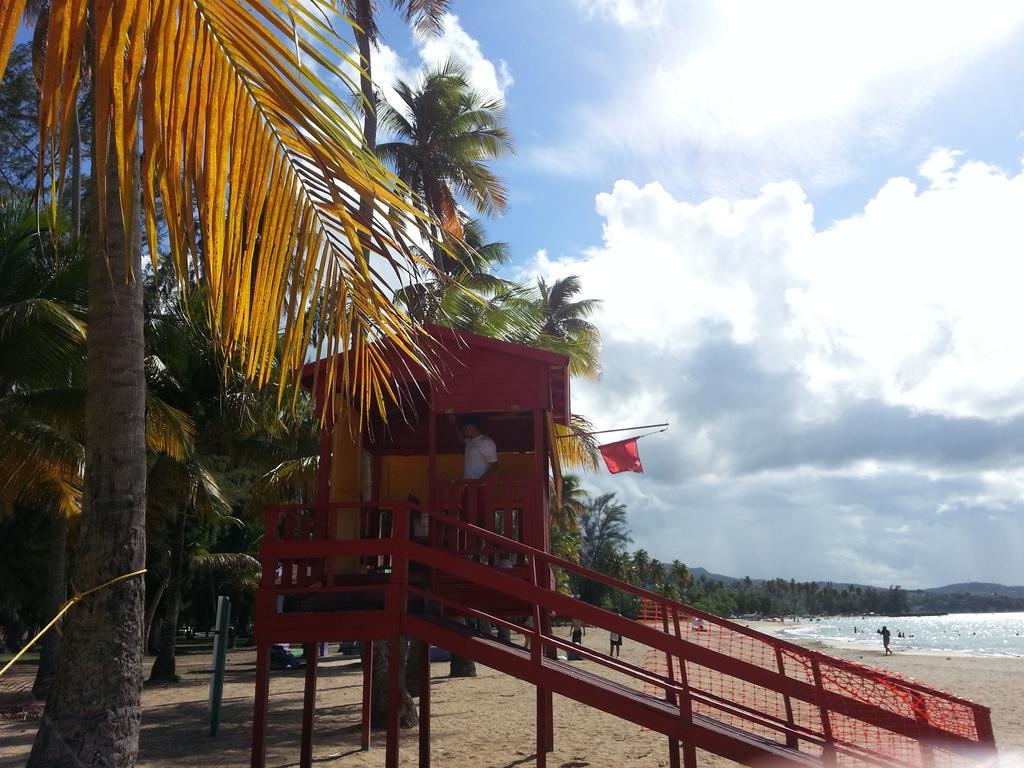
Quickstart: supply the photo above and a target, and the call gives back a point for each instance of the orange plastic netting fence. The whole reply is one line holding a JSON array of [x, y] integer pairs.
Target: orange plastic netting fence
[[883, 718]]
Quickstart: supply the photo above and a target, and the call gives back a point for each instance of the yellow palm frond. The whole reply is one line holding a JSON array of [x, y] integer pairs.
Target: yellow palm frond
[[39, 466], [168, 429], [240, 133], [577, 449], [10, 20]]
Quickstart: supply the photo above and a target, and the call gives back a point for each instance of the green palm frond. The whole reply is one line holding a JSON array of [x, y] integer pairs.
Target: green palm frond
[[565, 327], [40, 340], [57, 408], [40, 466], [168, 429], [42, 294], [291, 480], [172, 486], [238, 568]]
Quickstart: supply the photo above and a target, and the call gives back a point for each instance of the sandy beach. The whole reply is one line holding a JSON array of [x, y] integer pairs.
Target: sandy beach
[[484, 721]]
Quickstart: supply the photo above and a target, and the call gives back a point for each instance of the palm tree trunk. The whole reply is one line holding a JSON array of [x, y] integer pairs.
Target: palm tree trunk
[[163, 668], [408, 716], [151, 608], [94, 709], [412, 668], [76, 176], [460, 666], [364, 23], [379, 684], [56, 594]]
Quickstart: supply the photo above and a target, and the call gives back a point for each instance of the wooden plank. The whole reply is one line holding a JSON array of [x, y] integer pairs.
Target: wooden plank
[[424, 652], [259, 716], [394, 702], [308, 705], [364, 736]]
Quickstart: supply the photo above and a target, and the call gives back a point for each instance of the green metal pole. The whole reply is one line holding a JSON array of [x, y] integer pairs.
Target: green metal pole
[[220, 655]]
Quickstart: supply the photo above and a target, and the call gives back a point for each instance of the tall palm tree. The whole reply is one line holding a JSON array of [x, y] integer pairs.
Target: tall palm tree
[[565, 325], [444, 134], [604, 538], [680, 576], [238, 135], [642, 566], [424, 15]]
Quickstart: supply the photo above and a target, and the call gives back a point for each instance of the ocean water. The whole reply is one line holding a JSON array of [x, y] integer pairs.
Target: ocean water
[[977, 634]]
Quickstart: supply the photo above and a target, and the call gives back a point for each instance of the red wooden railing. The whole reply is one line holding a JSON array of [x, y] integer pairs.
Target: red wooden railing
[[498, 506], [718, 670]]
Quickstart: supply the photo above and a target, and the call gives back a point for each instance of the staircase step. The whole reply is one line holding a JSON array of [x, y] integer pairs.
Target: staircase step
[[647, 711]]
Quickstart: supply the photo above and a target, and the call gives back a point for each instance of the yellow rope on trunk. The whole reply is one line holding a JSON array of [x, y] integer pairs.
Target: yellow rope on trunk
[[64, 609]]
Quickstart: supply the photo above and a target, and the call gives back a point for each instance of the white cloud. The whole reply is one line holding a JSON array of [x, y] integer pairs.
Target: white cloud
[[491, 78], [915, 300], [730, 94], [881, 355], [388, 68], [626, 13]]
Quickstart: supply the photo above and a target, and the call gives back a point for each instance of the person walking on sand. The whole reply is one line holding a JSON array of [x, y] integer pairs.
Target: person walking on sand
[[614, 644], [886, 634]]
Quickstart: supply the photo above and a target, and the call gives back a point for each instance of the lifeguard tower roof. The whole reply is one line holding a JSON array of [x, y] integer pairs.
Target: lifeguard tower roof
[[477, 374]]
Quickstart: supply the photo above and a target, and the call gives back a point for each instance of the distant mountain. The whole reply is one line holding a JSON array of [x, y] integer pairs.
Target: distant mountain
[[976, 588], [979, 588], [697, 572]]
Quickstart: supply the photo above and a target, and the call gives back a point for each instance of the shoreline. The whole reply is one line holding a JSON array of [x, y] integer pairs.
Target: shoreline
[[783, 631]]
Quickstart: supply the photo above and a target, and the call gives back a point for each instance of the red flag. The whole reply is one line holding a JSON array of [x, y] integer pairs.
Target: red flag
[[622, 456]]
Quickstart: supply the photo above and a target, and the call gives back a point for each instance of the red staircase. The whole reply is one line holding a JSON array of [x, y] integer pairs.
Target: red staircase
[[721, 687]]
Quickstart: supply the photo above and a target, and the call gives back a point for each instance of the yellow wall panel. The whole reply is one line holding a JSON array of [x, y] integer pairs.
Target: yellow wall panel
[[346, 475]]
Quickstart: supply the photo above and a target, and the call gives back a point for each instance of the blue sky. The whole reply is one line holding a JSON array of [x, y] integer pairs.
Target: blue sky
[[805, 222]]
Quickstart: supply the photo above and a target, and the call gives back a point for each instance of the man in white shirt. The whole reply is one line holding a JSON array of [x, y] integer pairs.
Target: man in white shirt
[[481, 457]]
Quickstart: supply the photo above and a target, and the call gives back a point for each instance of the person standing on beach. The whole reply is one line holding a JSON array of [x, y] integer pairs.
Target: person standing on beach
[[886, 634], [577, 632]]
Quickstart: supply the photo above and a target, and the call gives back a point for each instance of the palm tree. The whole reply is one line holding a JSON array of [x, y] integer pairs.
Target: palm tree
[[642, 566], [188, 489], [573, 506], [238, 135], [604, 535], [231, 419], [444, 134], [42, 343], [680, 577], [424, 15], [564, 324], [463, 292]]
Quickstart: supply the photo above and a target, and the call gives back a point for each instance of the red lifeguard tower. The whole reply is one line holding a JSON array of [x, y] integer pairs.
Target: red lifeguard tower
[[399, 544]]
